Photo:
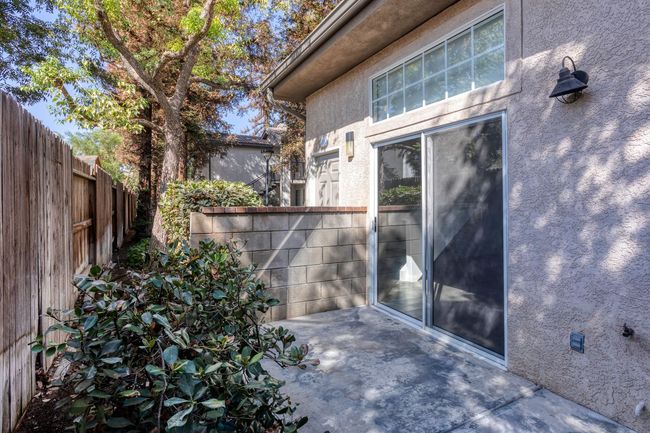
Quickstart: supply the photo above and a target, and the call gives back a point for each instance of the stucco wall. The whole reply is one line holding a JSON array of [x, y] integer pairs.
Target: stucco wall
[[579, 185], [238, 164]]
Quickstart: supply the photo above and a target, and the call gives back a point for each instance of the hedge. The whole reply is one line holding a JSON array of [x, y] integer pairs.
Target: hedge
[[182, 198]]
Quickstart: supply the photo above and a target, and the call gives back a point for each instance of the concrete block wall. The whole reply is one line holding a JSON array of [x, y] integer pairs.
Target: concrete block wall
[[399, 236], [312, 259]]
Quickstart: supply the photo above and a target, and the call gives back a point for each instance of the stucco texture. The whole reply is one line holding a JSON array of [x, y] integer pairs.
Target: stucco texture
[[578, 179]]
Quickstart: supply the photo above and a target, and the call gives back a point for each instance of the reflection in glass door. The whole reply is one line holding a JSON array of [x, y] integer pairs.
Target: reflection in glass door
[[399, 227], [465, 219]]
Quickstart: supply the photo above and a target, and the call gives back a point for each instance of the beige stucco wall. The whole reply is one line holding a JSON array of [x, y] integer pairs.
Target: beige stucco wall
[[579, 184]]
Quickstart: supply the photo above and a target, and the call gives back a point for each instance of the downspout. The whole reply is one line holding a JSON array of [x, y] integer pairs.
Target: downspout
[[284, 106]]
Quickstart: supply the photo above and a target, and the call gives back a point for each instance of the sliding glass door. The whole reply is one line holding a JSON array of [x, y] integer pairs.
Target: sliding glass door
[[465, 218], [462, 256]]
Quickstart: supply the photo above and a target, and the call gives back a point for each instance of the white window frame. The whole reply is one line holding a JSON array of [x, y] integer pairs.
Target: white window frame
[[420, 53]]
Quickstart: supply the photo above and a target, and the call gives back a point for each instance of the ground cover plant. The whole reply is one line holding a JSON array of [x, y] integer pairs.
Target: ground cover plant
[[182, 198], [178, 348]]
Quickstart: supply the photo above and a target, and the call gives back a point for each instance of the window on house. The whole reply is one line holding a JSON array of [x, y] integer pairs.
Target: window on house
[[472, 59]]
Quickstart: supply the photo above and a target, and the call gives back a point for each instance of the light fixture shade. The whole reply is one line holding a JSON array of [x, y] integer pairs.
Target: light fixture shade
[[569, 82]]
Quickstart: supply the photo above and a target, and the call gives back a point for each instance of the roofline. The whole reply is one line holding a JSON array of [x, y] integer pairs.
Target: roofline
[[332, 23]]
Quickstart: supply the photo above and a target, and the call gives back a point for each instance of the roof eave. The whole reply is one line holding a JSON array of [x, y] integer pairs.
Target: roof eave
[[337, 18]]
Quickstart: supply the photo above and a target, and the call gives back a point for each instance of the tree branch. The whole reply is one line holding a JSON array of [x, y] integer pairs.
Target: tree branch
[[229, 85], [128, 59], [148, 124], [284, 106], [207, 14]]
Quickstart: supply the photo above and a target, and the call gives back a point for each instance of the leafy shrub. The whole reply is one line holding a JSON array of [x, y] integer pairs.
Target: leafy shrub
[[178, 349], [181, 198], [138, 254], [400, 195]]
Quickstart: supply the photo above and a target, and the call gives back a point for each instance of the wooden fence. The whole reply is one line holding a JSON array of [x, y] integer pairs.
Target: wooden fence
[[57, 217]]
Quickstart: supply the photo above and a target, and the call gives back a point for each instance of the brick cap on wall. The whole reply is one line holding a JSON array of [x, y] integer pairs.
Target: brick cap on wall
[[282, 209]]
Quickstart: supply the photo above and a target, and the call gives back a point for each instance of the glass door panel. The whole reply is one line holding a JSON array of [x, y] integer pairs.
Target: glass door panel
[[465, 212], [399, 227]]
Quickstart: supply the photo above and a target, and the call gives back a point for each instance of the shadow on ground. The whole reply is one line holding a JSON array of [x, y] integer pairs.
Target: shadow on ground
[[378, 375]]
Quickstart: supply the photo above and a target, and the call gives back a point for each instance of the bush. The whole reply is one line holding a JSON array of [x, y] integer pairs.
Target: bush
[[181, 198], [178, 349], [138, 254], [400, 195]]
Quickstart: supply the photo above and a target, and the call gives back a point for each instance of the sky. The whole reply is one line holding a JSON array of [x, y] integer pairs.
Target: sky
[[238, 122]]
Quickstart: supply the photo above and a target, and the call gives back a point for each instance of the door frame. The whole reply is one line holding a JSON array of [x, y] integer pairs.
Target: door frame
[[426, 324]]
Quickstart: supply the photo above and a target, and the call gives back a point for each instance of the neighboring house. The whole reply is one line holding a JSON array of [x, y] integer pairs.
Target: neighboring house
[[242, 158], [501, 220]]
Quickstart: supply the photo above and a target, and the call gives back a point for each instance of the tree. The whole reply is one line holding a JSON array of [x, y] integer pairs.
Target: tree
[[176, 61], [276, 42], [107, 146], [24, 39], [199, 26]]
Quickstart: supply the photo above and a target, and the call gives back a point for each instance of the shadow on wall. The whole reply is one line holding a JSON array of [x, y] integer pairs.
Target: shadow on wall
[[579, 211]]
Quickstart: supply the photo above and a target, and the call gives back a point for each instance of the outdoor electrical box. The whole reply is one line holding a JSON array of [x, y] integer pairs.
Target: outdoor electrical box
[[577, 342]]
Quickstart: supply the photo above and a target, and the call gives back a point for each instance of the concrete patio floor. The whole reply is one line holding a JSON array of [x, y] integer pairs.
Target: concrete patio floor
[[378, 375]]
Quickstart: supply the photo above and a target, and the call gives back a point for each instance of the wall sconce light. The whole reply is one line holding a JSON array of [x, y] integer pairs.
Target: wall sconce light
[[570, 85], [349, 144]]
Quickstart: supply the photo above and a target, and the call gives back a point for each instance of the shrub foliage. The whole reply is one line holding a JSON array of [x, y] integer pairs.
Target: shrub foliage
[[178, 349], [138, 254], [400, 195], [182, 198]]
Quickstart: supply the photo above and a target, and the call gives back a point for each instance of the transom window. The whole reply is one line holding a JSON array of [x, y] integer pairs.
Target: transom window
[[472, 59]]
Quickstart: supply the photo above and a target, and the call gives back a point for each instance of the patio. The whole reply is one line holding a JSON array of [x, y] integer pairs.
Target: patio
[[378, 375]]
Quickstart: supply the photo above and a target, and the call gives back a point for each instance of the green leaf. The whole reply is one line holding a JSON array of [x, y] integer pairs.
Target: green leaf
[[133, 328], [96, 393], [179, 418], [257, 358], [153, 370], [134, 401], [128, 393], [170, 355], [50, 351], [214, 403], [215, 414], [175, 400], [112, 360], [79, 406], [95, 271], [111, 347], [162, 320], [37, 348], [147, 318], [111, 373], [90, 322], [214, 367], [118, 422], [219, 294], [83, 385]]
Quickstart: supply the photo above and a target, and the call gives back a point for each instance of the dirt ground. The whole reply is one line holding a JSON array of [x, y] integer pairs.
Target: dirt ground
[[42, 414]]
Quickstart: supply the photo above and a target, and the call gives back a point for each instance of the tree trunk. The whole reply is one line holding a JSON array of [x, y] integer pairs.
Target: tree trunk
[[144, 142], [174, 140]]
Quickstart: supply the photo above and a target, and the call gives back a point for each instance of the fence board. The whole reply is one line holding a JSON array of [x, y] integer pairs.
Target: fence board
[[55, 220]]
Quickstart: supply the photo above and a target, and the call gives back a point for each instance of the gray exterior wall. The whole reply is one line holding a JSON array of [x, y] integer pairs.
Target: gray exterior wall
[[579, 184], [238, 164], [313, 260]]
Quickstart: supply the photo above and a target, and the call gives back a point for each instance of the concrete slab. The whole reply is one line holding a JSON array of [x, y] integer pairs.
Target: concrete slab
[[378, 375]]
